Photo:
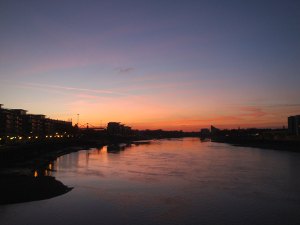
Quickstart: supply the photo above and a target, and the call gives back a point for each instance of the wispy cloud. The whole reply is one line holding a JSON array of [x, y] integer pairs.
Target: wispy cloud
[[155, 86], [125, 69], [86, 96], [282, 105], [251, 111], [76, 89]]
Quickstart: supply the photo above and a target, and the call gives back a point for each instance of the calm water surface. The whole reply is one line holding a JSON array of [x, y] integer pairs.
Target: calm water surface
[[179, 181]]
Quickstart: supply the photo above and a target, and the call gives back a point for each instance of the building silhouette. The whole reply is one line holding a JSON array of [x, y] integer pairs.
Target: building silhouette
[[118, 129], [294, 125], [17, 123]]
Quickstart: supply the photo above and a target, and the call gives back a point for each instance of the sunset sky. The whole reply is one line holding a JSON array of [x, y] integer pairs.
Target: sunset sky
[[152, 64]]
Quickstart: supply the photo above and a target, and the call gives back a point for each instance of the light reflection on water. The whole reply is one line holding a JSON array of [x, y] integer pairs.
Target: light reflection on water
[[179, 181], [43, 171]]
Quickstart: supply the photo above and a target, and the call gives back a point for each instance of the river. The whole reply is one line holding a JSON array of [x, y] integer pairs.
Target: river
[[177, 181]]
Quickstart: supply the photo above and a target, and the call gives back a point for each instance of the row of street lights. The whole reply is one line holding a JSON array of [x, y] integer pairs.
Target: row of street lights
[[21, 138]]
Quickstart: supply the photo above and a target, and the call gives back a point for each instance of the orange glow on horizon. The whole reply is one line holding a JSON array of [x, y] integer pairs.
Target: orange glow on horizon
[[192, 124], [156, 111]]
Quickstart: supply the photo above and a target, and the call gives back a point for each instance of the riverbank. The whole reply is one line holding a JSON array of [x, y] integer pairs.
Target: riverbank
[[12, 154], [23, 188], [282, 145], [25, 170], [25, 173]]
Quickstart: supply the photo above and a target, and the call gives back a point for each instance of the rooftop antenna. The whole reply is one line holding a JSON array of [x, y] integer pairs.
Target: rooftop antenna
[[78, 119]]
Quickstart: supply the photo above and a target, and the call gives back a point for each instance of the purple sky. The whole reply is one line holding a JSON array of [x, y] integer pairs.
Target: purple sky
[[152, 64]]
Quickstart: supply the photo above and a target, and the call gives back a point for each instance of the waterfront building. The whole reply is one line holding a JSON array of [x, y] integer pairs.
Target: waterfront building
[[214, 130], [6, 120], [11, 121], [116, 128], [33, 124], [127, 131], [205, 132], [17, 123], [294, 125], [61, 126]]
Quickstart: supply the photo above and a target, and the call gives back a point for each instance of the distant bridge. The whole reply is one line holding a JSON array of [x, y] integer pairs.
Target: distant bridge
[[90, 126]]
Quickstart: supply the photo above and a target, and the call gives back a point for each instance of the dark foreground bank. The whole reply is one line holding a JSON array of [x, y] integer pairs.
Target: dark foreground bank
[[23, 167], [22, 188]]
